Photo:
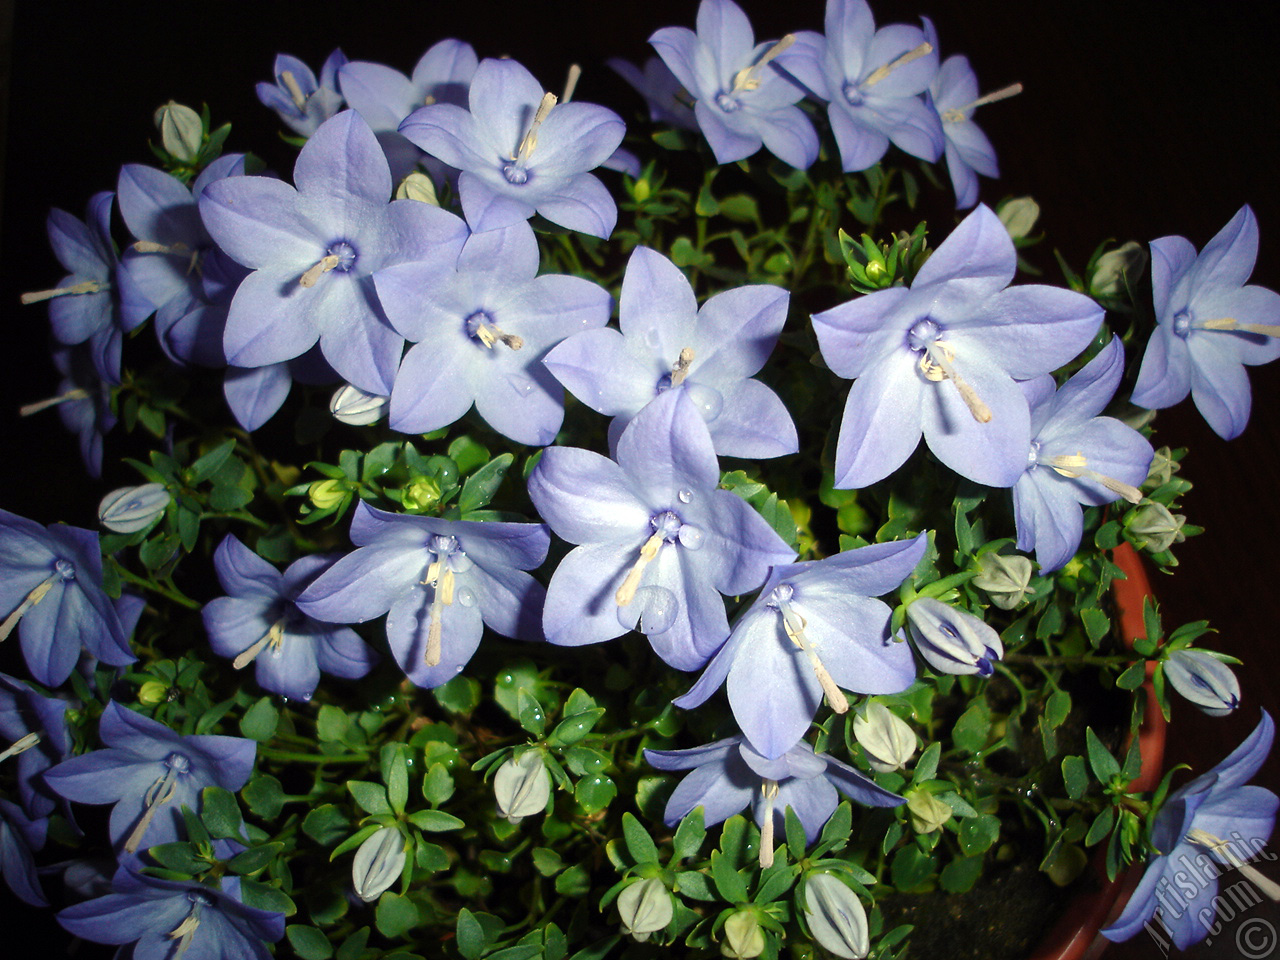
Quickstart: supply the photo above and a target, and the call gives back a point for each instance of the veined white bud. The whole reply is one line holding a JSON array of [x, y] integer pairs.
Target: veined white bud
[[835, 916], [181, 131], [522, 786], [645, 907], [1118, 269], [130, 509], [743, 938], [951, 640], [378, 863], [1004, 579], [417, 186], [1155, 528], [1163, 467], [354, 407], [1019, 216], [1204, 680], [886, 737], [928, 813]]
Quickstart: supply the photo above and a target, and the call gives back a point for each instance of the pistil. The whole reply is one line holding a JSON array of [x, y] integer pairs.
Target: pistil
[[794, 625], [768, 790], [627, 592], [1224, 849], [21, 745], [957, 114], [32, 598], [440, 576], [158, 794], [881, 72], [273, 638], [937, 365], [1077, 465], [318, 270], [77, 394], [295, 91], [530, 141], [184, 931], [571, 82], [680, 369], [75, 289], [1226, 323], [748, 78]]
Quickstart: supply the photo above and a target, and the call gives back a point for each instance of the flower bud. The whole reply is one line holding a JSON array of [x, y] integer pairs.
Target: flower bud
[[130, 509], [1154, 528], [327, 494], [928, 813], [1004, 579], [835, 916], [1162, 469], [354, 407], [1118, 269], [1019, 216], [951, 640], [417, 186], [181, 131], [153, 692], [645, 907], [522, 787], [378, 863], [421, 494], [1204, 680], [885, 736], [743, 938]]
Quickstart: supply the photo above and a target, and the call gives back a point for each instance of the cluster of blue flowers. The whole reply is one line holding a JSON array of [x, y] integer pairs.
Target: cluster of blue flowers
[[355, 277]]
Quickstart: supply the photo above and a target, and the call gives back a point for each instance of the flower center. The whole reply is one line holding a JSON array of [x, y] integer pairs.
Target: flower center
[[922, 333], [479, 326], [853, 94], [449, 560], [679, 370], [937, 363], [1182, 323], [345, 253], [515, 174], [157, 795], [727, 102]]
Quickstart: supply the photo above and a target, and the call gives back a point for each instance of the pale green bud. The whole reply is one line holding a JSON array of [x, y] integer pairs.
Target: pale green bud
[[835, 916], [378, 864], [522, 787], [928, 813], [743, 938], [1118, 269], [641, 190], [1004, 579], [885, 736], [417, 186], [1154, 527], [645, 907], [327, 494], [1163, 467], [153, 692], [1019, 216], [421, 494], [130, 509], [181, 131], [354, 407]]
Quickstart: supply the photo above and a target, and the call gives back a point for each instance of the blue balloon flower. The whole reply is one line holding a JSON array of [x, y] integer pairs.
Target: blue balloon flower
[[301, 101], [33, 731], [20, 837]]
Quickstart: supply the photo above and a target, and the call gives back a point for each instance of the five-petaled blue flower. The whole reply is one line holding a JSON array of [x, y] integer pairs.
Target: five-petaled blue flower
[[298, 99]]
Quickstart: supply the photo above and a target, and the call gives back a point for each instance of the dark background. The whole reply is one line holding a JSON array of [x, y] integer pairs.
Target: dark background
[[1140, 119]]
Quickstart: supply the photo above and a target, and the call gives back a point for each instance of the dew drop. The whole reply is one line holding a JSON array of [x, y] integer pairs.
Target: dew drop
[[691, 537], [466, 597], [685, 496], [708, 400], [458, 668]]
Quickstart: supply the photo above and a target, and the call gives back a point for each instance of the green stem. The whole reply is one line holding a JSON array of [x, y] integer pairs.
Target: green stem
[[292, 756], [171, 593], [1086, 659]]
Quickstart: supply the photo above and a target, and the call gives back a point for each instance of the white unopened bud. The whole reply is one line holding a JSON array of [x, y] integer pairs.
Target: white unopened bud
[[522, 786], [951, 640], [743, 938], [378, 864], [1118, 269], [645, 907], [885, 736], [181, 131], [1155, 528], [1019, 216], [835, 916], [928, 813], [417, 186], [1204, 680], [1005, 579], [130, 509], [354, 407]]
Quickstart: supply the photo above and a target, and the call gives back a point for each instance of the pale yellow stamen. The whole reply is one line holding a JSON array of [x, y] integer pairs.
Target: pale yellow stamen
[[680, 369], [769, 790], [34, 597], [1076, 465], [571, 82], [748, 78], [1226, 323], [794, 625], [85, 286], [1223, 847], [439, 575], [183, 933], [957, 114], [490, 334], [150, 246], [428, 100], [530, 140], [273, 638], [154, 801], [30, 408], [323, 266], [627, 592], [295, 91], [21, 745], [881, 72], [935, 364]]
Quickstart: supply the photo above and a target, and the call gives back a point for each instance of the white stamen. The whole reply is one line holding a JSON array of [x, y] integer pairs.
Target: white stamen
[[571, 82], [295, 91], [1226, 323], [769, 790], [160, 793], [440, 576], [935, 364], [85, 286], [794, 625], [490, 333], [881, 72], [627, 592], [957, 114], [150, 246], [680, 369], [1268, 887], [30, 408], [530, 140], [183, 933], [32, 598], [274, 637], [21, 745], [1076, 465], [323, 266], [748, 78]]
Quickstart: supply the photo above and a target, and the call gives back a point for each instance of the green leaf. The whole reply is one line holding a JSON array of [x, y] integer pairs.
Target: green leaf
[[179, 855], [911, 868], [207, 465], [255, 858], [326, 824], [927, 765], [574, 882], [518, 952], [1100, 827], [259, 721], [220, 813], [531, 715], [546, 861], [693, 884], [741, 208], [1057, 707], [395, 773], [331, 724], [437, 785], [775, 881], [1133, 676], [594, 793], [835, 834], [1096, 624], [959, 876], [255, 893], [354, 945], [372, 797], [459, 695], [435, 821], [1075, 776], [733, 889], [264, 795], [971, 729], [482, 485], [796, 842], [396, 915], [689, 835], [575, 727], [598, 950], [471, 939], [1103, 763], [308, 942], [639, 844], [977, 834], [1151, 618]]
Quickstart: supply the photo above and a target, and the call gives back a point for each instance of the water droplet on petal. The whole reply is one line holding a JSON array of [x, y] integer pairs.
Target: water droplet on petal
[[707, 400], [658, 607], [466, 597], [458, 668], [691, 537], [521, 384], [685, 496]]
